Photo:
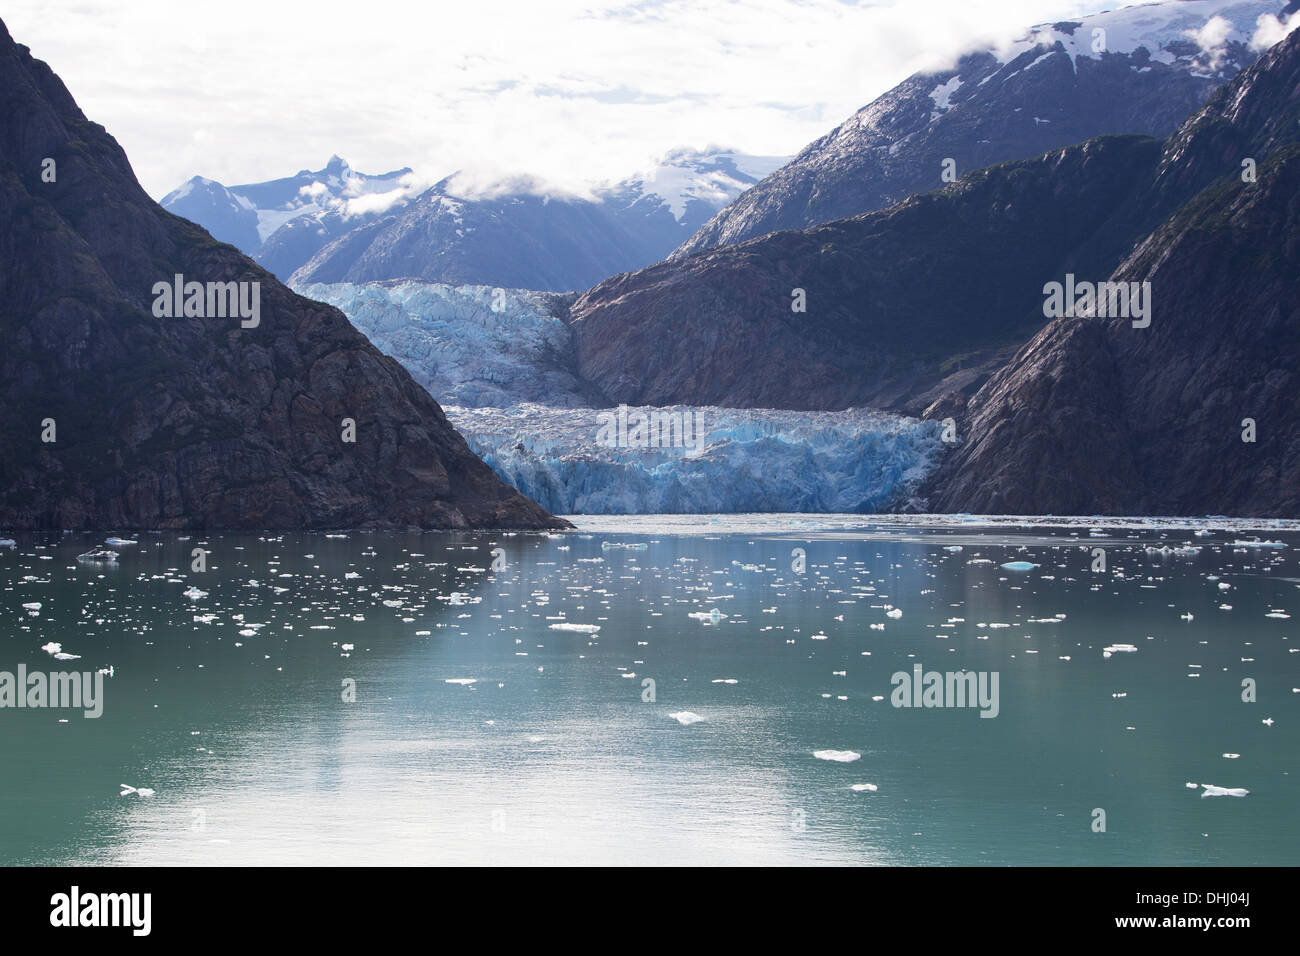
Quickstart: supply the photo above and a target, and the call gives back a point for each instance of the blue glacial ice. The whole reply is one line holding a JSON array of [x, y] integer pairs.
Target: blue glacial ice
[[455, 344], [748, 460], [507, 378]]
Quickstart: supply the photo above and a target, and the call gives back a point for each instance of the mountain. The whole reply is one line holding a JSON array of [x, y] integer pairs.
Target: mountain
[[911, 308], [1061, 83], [520, 234], [1094, 415], [903, 306], [117, 418], [284, 222]]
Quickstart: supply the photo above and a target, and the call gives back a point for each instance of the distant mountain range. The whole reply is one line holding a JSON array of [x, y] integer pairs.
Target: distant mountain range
[[122, 412], [337, 225], [1140, 69]]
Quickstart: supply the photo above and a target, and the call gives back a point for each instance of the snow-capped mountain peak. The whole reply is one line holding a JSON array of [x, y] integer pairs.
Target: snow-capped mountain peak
[[1197, 33], [712, 177]]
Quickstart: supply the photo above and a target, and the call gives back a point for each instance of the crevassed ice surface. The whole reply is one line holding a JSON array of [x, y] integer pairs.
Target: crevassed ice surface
[[747, 460], [507, 380], [457, 346]]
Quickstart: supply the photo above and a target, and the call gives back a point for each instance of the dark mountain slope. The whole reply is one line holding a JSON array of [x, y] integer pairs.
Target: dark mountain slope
[[188, 422], [1096, 416], [898, 301]]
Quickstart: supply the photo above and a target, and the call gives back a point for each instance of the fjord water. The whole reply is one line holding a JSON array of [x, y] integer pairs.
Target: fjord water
[[480, 733]]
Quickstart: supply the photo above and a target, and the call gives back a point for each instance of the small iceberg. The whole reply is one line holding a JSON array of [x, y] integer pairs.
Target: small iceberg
[[580, 628], [127, 790], [1210, 790], [194, 593], [119, 542], [686, 718], [1019, 566], [98, 554], [1118, 649], [838, 756], [8, 543], [713, 616], [864, 787]]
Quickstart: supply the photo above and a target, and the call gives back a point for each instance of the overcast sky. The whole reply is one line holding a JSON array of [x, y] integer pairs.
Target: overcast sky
[[570, 90]]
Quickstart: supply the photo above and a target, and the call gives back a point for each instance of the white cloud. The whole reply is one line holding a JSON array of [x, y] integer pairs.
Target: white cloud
[[1212, 38], [571, 91], [1269, 30]]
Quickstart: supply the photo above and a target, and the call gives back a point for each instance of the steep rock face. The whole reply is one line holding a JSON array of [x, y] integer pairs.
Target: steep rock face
[[188, 423], [903, 306], [1094, 415], [1051, 89]]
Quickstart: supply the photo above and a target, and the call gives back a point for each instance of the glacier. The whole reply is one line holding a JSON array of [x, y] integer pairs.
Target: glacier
[[502, 364], [749, 460], [458, 346]]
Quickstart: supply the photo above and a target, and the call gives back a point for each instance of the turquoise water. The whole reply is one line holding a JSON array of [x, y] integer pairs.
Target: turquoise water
[[552, 754]]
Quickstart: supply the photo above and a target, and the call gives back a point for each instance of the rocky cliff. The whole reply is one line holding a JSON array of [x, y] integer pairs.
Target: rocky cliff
[[117, 418], [1195, 414]]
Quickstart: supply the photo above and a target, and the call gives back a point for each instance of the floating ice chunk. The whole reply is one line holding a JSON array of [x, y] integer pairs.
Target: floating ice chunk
[[67, 657], [713, 616], [32, 606], [1256, 543], [1110, 649], [347, 647], [194, 593], [1019, 566], [463, 681], [581, 628], [1281, 615], [686, 718], [839, 756], [1186, 617], [1231, 756], [864, 787], [52, 648], [1191, 786], [725, 680], [894, 612], [138, 791], [1212, 791], [8, 543], [1267, 721], [119, 542]]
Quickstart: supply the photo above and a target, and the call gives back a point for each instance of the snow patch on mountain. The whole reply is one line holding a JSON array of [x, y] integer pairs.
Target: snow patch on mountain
[[1169, 31], [712, 177]]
